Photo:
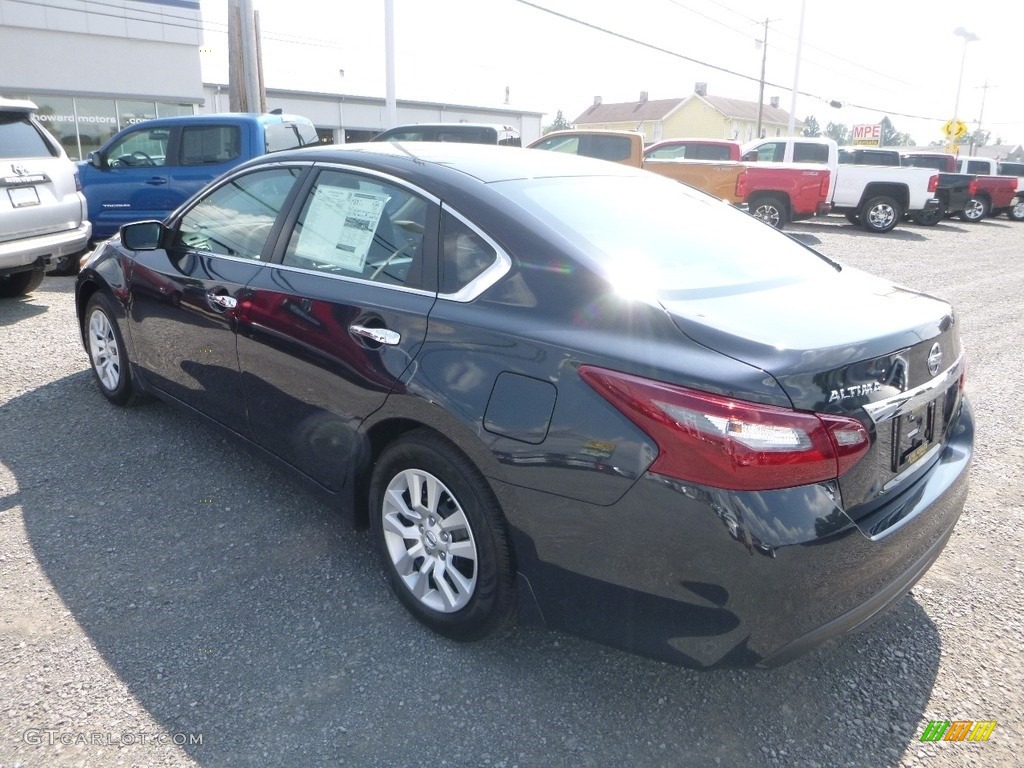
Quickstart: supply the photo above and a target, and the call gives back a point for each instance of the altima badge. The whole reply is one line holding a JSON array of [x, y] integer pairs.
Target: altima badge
[[934, 359], [855, 390]]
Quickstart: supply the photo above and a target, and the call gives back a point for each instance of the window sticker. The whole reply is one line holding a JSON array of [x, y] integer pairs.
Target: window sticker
[[340, 225]]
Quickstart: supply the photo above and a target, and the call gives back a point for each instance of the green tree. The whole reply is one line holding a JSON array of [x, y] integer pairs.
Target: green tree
[[893, 138], [559, 124], [811, 127], [838, 132]]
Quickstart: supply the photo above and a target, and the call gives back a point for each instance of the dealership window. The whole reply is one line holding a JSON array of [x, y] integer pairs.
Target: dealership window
[[81, 125]]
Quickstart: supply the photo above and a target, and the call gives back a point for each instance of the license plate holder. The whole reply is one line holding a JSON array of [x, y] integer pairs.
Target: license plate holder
[[913, 434], [23, 197]]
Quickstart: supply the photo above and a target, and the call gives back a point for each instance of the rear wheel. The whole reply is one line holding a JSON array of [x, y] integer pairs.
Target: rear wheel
[[975, 210], [927, 218], [21, 283], [769, 209], [441, 535], [880, 214], [1016, 211], [107, 354]]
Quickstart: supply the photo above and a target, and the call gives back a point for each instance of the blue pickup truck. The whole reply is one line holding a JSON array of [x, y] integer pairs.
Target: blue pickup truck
[[150, 168]]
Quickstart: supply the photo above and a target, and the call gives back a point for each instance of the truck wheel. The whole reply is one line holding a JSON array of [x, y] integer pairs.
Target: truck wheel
[[1016, 211], [771, 210], [880, 214], [927, 218], [975, 210], [21, 283]]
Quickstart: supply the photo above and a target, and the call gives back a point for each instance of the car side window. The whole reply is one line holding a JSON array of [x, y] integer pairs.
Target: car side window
[[464, 255], [359, 227], [146, 147], [771, 152], [236, 218], [210, 144], [810, 153]]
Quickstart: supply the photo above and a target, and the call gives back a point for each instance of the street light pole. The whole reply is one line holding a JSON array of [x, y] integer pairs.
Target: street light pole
[[969, 37], [796, 69], [760, 91]]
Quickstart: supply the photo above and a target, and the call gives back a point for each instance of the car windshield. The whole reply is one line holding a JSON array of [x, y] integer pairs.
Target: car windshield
[[647, 233]]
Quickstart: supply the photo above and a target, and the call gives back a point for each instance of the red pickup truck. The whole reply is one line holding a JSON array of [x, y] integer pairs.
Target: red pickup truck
[[772, 192], [990, 194]]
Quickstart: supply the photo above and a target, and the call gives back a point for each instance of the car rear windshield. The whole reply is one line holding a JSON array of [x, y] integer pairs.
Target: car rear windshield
[[657, 234], [1011, 169], [281, 136], [20, 138]]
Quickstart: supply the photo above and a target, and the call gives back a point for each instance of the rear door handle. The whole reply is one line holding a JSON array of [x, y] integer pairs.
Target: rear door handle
[[380, 335], [156, 180]]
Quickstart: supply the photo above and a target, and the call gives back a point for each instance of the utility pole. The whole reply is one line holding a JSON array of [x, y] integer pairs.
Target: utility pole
[[245, 65], [981, 113], [796, 69], [760, 90]]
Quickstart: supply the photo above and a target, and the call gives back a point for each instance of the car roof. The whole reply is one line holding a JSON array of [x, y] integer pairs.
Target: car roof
[[17, 105], [220, 117], [485, 162]]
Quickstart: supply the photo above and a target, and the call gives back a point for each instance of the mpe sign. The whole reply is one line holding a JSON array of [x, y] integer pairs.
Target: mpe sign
[[867, 135]]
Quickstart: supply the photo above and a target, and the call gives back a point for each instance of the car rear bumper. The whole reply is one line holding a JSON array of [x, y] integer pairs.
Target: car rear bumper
[[706, 578], [25, 252]]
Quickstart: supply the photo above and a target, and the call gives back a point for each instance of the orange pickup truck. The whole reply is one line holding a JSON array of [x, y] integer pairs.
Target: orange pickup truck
[[774, 193]]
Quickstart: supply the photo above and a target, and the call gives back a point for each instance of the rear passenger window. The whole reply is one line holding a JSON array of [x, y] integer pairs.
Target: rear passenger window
[[359, 227], [810, 153], [20, 138], [236, 218], [465, 255], [210, 144]]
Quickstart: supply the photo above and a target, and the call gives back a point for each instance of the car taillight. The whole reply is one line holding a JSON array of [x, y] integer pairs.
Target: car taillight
[[741, 186], [733, 444], [823, 191], [972, 188], [78, 182], [933, 183]]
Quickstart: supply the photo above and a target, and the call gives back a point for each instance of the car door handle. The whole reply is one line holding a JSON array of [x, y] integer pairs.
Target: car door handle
[[156, 180], [379, 335], [222, 301]]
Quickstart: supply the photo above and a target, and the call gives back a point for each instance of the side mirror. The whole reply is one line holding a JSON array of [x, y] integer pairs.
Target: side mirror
[[97, 160], [142, 235]]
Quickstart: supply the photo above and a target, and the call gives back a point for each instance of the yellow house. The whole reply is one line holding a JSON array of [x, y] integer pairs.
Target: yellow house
[[699, 115]]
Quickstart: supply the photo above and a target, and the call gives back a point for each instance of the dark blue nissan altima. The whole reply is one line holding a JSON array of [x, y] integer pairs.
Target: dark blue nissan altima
[[558, 388]]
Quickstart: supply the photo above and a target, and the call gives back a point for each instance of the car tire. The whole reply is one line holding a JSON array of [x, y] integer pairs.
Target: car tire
[[108, 357], [880, 214], [927, 218], [974, 211], [447, 555], [769, 209], [21, 283], [853, 218], [1016, 211]]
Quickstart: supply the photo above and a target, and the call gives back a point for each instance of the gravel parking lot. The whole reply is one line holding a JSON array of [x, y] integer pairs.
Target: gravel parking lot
[[161, 587]]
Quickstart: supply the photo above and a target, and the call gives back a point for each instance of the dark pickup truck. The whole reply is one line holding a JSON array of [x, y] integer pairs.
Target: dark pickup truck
[[955, 190]]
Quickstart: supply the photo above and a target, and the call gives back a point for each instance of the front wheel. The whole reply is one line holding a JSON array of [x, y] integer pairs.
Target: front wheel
[[927, 218], [1016, 211], [107, 354], [441, 535], [975, 210], [880, 214], [771, 210]]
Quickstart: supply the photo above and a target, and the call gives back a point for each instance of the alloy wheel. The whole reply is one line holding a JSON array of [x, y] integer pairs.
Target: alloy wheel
[[103, 350]]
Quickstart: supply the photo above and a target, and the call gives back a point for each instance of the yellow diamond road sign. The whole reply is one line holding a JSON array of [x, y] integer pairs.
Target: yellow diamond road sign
[[954, 130]]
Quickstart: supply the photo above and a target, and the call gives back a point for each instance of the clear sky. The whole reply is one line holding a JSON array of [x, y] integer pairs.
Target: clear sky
[[899, 58]]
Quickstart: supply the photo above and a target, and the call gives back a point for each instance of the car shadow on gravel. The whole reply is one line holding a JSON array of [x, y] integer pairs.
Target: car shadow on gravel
[[233, 604], [14, 310], [844, 228]]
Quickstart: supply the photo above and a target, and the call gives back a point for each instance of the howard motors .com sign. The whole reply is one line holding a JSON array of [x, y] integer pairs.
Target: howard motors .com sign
[[867, 135]]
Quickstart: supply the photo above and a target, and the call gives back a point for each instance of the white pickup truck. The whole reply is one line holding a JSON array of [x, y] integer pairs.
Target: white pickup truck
[[874, 197]]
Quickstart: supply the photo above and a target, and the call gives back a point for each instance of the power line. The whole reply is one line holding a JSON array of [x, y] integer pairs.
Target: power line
[[676, 54]]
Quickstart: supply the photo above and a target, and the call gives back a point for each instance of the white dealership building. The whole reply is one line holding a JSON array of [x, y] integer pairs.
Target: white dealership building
[[95, 66]]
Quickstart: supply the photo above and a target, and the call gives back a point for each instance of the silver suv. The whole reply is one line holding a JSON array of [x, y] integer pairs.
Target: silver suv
[[43, 222]]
